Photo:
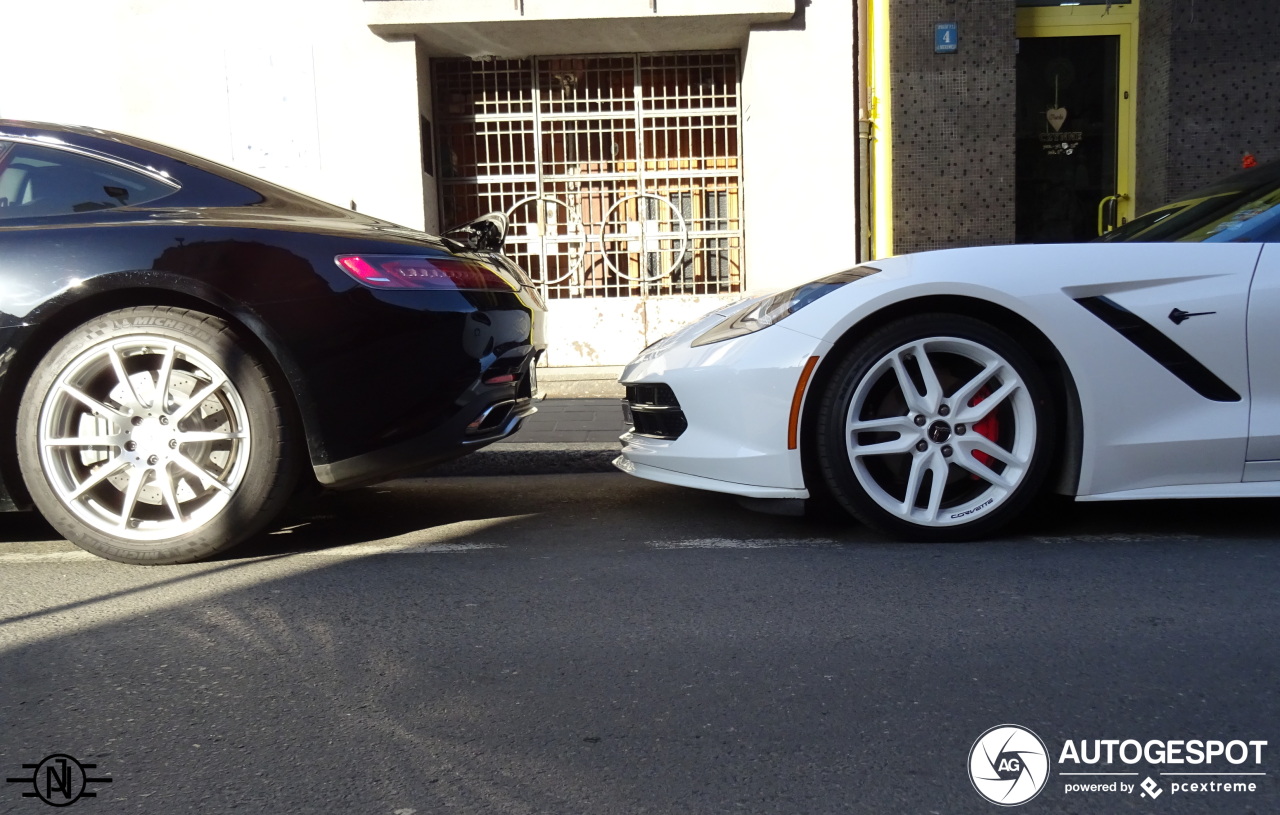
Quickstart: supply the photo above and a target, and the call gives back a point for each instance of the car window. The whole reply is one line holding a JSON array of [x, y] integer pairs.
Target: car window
[[1242, 208], [1268, 232], [1154, 225], [43, 181], [1244, 223]]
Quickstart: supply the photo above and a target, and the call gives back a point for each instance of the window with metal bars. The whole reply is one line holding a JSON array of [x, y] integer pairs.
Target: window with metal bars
[[621, 174]]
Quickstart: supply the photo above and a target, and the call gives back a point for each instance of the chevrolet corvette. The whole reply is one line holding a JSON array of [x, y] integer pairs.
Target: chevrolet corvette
[[934, 396]]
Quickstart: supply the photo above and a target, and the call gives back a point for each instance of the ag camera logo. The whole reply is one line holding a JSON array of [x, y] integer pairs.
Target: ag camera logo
[[1009, 765]]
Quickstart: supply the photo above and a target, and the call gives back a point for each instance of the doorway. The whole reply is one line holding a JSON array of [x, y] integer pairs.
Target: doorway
[[1075, 129], [621, 175]]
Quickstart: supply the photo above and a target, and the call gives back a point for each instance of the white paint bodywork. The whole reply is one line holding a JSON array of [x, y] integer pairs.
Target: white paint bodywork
[[1145, 433], [737, 398]]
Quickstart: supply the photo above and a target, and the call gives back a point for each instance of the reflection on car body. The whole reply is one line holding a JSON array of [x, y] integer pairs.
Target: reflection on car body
[[184, 346]]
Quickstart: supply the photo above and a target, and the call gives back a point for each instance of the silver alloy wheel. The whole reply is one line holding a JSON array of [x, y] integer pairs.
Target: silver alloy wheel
[[144, 438], [940, 431]]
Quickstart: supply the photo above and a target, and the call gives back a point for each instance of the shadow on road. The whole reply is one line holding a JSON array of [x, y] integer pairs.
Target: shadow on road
[[580, 666]]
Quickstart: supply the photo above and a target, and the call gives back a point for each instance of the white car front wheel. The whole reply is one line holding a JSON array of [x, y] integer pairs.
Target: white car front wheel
[[935, 427]]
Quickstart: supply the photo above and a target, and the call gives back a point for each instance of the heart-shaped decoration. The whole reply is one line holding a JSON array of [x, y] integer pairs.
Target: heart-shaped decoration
[[1056, 117]]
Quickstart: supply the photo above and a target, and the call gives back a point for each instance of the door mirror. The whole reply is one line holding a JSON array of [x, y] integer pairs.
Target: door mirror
[[485, 234]]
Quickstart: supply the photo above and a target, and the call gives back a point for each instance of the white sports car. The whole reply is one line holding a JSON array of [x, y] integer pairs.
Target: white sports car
[[934, 395]]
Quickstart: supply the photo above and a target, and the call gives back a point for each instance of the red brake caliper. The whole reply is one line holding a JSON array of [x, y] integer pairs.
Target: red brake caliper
[[988, 428]]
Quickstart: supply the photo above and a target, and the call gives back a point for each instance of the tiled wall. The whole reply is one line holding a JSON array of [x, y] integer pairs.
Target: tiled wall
[[1209, 91], [953, 124]]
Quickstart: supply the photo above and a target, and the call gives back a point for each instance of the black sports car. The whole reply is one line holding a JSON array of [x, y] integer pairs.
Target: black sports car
[[183, 347]]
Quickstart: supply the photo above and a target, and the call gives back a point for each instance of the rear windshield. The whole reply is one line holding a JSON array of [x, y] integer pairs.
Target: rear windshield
[[1242, 208]]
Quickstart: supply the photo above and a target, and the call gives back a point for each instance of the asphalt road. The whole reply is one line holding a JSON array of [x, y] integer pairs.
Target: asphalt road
[[598, 644]]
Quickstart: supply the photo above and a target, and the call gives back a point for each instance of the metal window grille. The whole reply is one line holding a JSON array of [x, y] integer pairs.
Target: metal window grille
[[621, 174]]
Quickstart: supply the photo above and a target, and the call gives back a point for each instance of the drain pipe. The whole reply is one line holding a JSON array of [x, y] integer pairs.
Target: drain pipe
[[862, 174]]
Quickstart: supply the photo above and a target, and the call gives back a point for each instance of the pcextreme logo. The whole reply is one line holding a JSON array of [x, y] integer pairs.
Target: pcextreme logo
[[1009, 765]]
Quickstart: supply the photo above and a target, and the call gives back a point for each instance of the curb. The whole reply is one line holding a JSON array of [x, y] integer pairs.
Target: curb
[[513, 458], [593, 382]]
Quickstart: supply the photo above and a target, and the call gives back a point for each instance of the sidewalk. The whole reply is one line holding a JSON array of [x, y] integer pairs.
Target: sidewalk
[[575, 430]]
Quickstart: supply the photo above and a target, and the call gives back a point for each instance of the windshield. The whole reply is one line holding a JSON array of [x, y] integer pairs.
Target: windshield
[[1244, 207]]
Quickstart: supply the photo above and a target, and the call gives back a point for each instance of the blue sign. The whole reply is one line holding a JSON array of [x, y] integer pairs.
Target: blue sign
[[946, 38]]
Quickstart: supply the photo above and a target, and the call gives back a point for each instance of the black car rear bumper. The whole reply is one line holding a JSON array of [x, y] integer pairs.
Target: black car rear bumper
[[482, 424]]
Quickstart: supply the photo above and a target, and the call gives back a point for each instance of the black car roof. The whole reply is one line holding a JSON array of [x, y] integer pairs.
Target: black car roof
[[143, 152]]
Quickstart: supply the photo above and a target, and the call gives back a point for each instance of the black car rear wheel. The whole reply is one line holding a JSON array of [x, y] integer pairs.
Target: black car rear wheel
[[153, 435]]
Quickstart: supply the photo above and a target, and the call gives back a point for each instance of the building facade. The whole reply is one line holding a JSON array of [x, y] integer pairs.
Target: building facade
[[1048, 121], [658, 158]]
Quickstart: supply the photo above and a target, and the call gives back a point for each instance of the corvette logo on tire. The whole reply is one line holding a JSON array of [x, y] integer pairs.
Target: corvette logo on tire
[[1009, 765]]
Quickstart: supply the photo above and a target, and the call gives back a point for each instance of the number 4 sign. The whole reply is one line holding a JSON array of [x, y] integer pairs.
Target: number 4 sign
[[945, 38]]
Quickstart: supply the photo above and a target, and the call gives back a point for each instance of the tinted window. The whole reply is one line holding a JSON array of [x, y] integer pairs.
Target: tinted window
[[1248, 221], [1243, 208], [37, 180], [1269, 233]]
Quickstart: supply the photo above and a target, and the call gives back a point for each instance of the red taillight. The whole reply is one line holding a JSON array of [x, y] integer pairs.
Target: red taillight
[[399, 272]]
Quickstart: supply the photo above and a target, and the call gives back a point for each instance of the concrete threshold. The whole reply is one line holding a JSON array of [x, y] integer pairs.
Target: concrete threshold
[[581, 382]]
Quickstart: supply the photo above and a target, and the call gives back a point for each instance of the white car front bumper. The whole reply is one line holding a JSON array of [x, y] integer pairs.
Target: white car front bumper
[[737, 398]]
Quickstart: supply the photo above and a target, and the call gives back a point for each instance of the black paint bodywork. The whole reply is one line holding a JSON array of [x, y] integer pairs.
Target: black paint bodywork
[[382, 381]]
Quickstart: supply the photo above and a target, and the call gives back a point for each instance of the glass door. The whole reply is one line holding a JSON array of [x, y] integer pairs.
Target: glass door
[[1075, 122]]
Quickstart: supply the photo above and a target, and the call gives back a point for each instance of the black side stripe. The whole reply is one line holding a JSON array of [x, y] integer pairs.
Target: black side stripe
[[1159, 347]]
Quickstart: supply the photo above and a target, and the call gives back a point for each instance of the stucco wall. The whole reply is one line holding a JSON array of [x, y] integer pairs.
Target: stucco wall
[[297, 91], [799, 141]]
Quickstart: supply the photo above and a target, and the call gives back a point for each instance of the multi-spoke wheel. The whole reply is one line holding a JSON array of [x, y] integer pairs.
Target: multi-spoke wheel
[[150, 435], [935, 427]]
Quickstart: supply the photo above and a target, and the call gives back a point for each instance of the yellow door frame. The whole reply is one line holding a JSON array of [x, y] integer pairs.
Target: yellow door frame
[[879, 111], [1040, 21], [1093, 21]]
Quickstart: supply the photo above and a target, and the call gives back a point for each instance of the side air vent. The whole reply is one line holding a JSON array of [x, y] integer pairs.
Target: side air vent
[[1173, 357]]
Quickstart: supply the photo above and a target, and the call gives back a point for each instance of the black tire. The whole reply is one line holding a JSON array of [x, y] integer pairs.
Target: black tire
[[915, 466], [141, 476]]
